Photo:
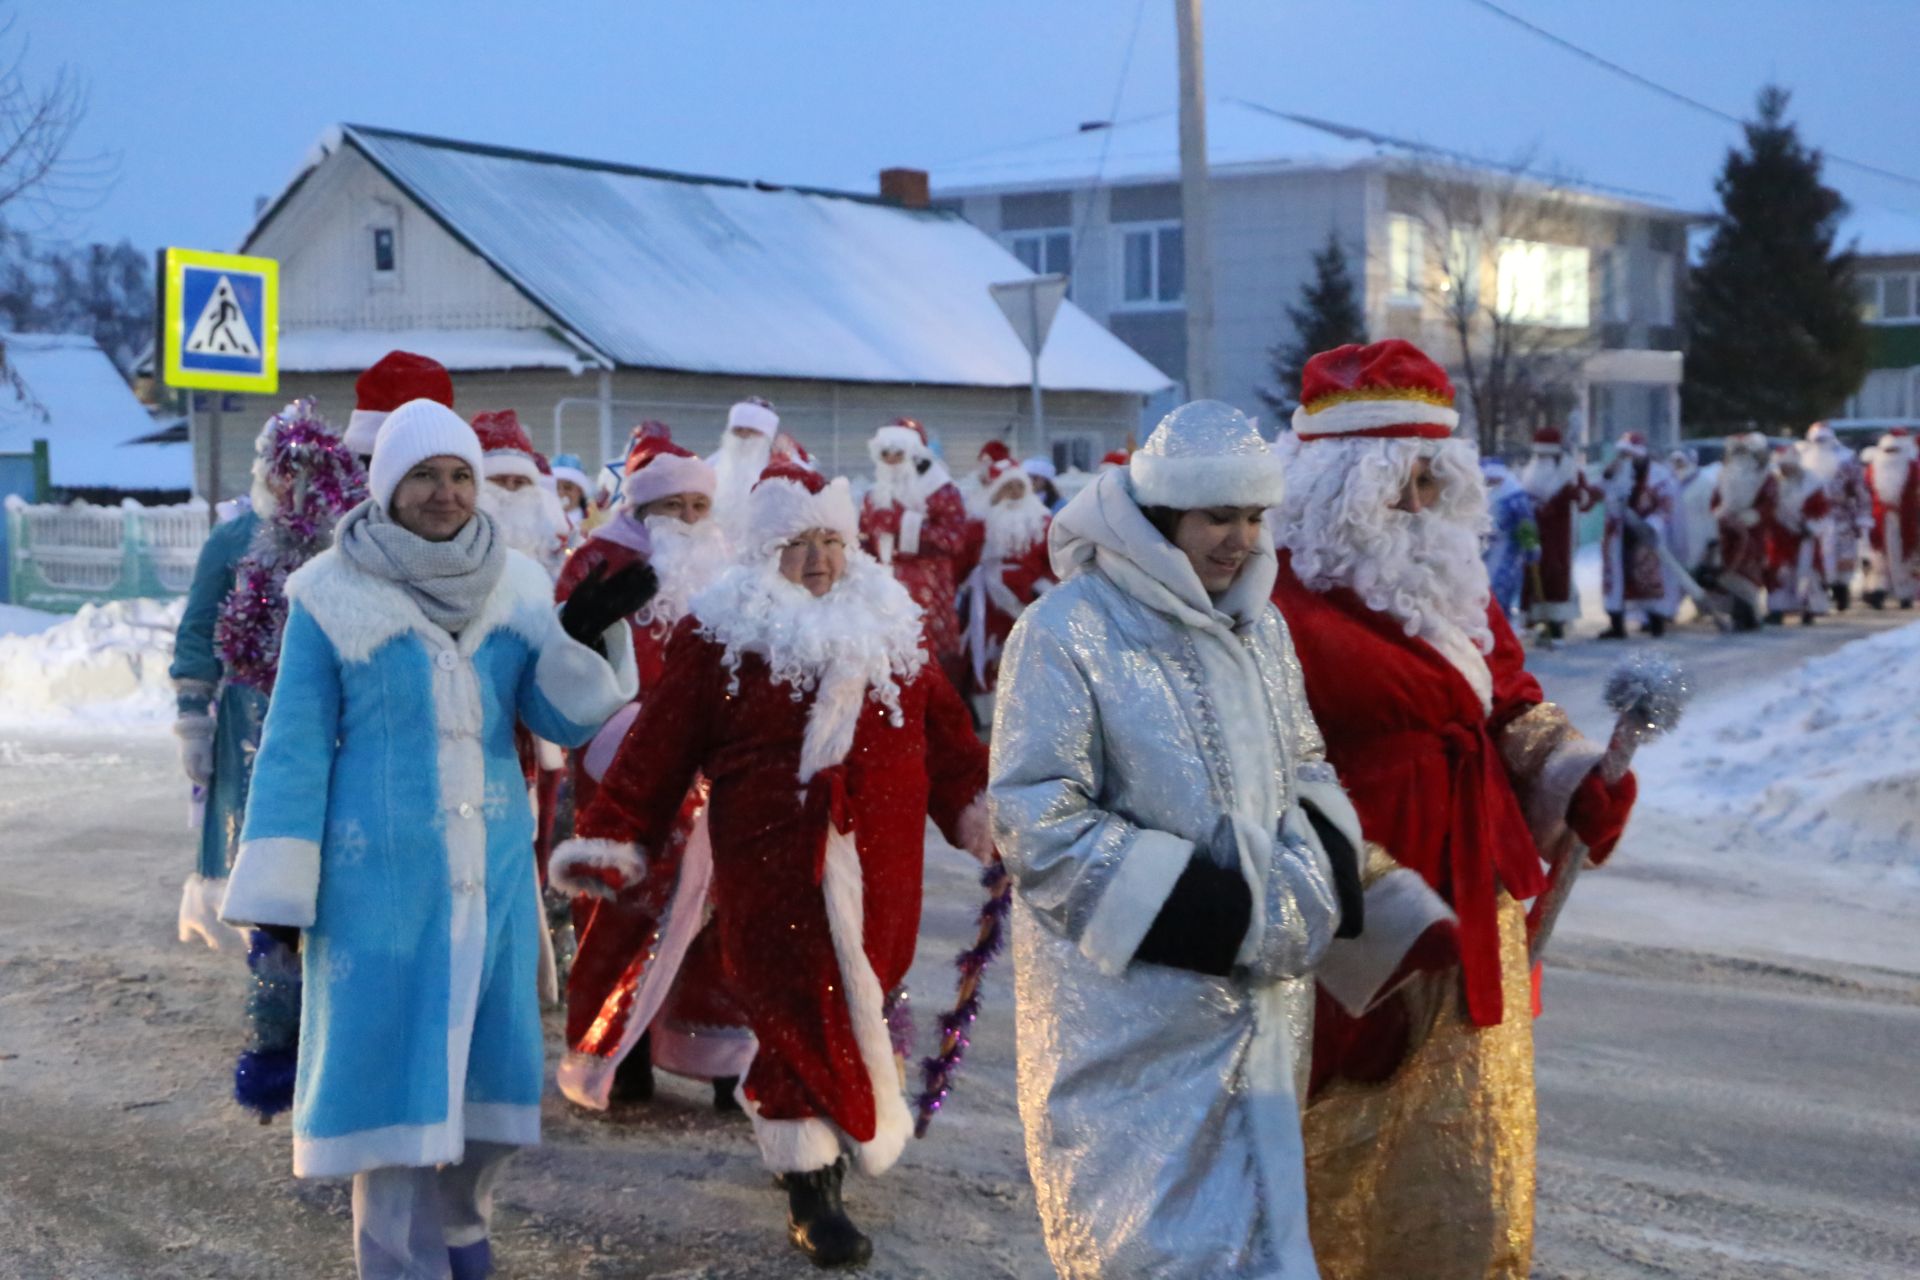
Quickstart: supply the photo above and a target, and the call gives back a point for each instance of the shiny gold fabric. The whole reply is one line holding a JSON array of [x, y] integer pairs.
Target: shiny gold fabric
[[1430, 1175]]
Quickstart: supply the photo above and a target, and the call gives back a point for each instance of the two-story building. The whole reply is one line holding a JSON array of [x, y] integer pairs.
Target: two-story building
[[1887, 273], [1597, 276], [588, 296]]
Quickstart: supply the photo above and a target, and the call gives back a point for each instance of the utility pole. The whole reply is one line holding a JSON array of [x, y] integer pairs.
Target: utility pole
[[1195, 222]]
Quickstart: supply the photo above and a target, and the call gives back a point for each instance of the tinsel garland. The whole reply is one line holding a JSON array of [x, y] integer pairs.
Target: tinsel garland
[[263, 1075], [314, 480], [899, 1014], [938, 1072]]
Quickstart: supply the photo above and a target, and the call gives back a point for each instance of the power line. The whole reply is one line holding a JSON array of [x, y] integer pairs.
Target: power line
[[1106, 139], [1674, 94]]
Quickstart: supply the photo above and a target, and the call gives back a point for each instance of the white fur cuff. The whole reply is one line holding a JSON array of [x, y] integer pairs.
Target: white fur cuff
[[1400, 908], [275, 880], [575, 864], [796, 1146], [582, 686], [1134, 895], [911, 523]]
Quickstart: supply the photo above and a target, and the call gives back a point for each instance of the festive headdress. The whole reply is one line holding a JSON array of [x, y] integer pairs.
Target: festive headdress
[[1748, 442], [1549, 440], [1898, 440], [905, 434], [788, 500], [1042, 467], [507, 448], [1116, 458], [1821, 433], [416, 431], [1633, 445], [1206, 454], [754, 414], [996, 450], [397, 377], [1384, 389], [566, 466], [1001, 474], [658, 468]]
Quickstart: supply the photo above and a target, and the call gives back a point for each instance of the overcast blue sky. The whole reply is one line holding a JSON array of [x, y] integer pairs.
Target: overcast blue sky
[[212, 102]]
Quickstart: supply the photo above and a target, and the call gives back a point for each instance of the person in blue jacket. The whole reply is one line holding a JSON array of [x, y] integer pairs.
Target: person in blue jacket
[[389, 825]]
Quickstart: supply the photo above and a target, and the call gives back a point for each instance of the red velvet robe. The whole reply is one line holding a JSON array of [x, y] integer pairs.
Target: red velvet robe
[[1019, 580], [932, 573], [1416, 752], [1743, 546], [769, 840], [1906, 512], [1789, 529], [1558, 518]]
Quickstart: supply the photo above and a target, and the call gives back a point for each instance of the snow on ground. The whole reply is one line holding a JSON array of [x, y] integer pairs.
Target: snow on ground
[[104, 666]]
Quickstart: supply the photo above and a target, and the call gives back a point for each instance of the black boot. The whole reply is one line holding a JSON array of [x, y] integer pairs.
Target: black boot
[[1618, 631], [1775, 617], [1806, 618], [1876, 600], [1744, 617], [817, 1222], [1556, 631], [1842, 596], [723, 1100], [633, 1078], [1656, 625], [1906, 604]]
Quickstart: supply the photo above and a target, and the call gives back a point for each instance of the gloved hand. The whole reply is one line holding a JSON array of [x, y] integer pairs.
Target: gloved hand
[[1345, 860], [196, 747], [601, 599], [284, 934], [1204, 919], [1598, 812], [584, 867]]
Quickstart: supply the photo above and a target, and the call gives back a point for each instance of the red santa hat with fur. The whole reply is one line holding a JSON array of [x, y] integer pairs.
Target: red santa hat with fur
[[658, 468], [788, 500], [393, 380], [506, 449], [1380, 390]]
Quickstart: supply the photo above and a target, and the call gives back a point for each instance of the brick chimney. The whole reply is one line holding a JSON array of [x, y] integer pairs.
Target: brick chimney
[[906, 187]]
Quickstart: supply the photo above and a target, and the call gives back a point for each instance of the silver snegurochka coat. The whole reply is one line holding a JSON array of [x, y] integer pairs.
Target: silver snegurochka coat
[[1161, 1106]]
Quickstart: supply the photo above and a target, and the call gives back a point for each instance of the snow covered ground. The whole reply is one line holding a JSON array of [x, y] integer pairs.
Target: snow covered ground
[[105, 665]]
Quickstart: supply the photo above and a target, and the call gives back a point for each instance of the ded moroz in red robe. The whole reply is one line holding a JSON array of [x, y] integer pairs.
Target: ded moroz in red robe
[[819, 800], [930, 551]]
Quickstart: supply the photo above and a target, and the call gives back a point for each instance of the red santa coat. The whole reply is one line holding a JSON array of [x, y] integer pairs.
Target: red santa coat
[[997, 594], [1743, 538], [1415, 749], [1632, 572], [1557, 515], [932, 552], [779, 925], [1899, 504], [1791, 532]]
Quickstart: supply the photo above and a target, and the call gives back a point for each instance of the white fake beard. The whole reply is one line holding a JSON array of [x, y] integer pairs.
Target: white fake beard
[[1544, 477], [1740, 481], [897, 482], [529, 519], [1012, 527], [1821, 458], [1890, 468], [737, 469], [687, 557], [1339, 521]]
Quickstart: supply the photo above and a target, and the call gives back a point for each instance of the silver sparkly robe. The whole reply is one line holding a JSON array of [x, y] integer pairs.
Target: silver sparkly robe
[[1160, 1105]]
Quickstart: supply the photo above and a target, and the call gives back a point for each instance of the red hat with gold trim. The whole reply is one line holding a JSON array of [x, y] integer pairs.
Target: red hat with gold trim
[[1383, 390]]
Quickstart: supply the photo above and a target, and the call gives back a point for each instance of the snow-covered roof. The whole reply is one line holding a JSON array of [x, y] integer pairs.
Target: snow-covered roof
[[667, 271], [1242, 138], [61, 388], [1881, 232], [461, 350]]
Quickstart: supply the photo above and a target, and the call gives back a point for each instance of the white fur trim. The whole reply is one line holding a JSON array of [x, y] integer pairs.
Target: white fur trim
[[582, 686], [666, 475], [1330, 800], [1566, 767], [573, 856], [1133, 897], [975, 829], [846, 916], [273, 881], [912, 522], [363, 428], [511, 462], [756, 417], [796, 1146], [1220, 480], [359, 612], [779, 510], [905, 439], [1400, 908], [832, 720], [598, 757], [200, 913], [1370, 415]]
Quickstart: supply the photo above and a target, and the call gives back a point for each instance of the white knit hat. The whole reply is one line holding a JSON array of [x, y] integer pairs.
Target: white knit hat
[[416, 431], [1206, 454]]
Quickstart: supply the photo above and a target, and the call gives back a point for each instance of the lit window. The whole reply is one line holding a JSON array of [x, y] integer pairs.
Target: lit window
[[1545, 284], [383, 249], [1153, 267], [1405, 258]]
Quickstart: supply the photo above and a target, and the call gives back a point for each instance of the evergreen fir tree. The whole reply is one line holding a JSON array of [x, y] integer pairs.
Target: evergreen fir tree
[[1328, 315], [1774, 331]]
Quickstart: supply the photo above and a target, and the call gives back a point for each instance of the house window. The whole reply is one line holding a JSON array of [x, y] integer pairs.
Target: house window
[[383, 250], [1153, 268], [1405, 258], [1665, 275], [1545, 284], [1075, 451], [1896, 297], [1614, 304], [1463, 265], [1044, 252], [1869, 290]]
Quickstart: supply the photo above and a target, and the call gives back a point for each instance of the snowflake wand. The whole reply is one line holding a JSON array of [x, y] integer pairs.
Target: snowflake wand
[[937, 1073]]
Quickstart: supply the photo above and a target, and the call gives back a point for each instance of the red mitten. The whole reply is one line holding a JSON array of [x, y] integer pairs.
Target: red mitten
[[1598, 812]]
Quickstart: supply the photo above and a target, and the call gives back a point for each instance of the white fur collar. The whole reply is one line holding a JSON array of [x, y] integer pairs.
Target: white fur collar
[[860, 640], [359, 612]]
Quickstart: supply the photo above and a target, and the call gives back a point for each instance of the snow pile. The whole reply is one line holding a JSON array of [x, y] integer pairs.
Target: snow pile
[[106, 664], [1818, 768]]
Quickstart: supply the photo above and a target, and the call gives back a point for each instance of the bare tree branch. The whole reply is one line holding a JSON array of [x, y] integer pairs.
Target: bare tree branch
[[40, 174]]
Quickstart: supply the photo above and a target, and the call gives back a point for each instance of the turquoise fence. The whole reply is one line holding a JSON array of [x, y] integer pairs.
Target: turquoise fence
[[60, 557]]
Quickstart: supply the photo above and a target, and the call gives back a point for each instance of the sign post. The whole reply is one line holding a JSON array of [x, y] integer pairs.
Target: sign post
[[219, 322], [1030, 306]]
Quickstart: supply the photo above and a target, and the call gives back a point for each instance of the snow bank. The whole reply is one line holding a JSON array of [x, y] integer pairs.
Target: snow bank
[[1817, 767], [107, 664]]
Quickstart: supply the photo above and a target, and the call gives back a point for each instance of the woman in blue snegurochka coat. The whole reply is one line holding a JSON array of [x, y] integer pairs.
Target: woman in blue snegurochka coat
[[389, 823]]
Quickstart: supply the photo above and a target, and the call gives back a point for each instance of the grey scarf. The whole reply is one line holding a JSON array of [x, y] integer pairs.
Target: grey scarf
[[450, 580]]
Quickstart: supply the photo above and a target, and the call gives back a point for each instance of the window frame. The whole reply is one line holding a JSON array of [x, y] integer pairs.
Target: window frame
[[1554, 286], [1415, 276], [1154, 232]]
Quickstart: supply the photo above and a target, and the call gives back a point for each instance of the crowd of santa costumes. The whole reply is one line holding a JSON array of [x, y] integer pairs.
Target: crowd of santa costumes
[[1270, 792]]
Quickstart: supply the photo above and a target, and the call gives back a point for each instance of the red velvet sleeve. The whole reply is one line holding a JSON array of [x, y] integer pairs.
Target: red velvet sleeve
[[1817, 505], [640, 797], [1515, 691], [875, 521], [1024, 576], [945, 531], [956, 758], [578, 565]]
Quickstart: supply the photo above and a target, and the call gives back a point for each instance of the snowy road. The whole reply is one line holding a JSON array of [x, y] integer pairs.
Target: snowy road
[[1709, 1112]]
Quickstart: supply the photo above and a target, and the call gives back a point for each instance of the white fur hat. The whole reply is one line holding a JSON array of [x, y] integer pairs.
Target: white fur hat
[[1206, 454], [416, 431], [754, 414], [788, 500]]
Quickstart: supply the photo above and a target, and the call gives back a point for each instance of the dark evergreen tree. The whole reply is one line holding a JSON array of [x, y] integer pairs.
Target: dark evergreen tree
[[1774, 334], [1327, 316]]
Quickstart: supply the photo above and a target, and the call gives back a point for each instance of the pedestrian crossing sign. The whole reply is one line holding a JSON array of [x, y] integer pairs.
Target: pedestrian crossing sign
[[222, 321]]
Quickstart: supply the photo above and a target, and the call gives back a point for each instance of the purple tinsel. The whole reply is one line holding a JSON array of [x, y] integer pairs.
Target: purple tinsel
[[314, 480], [937, 1073], [899, 1014]]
